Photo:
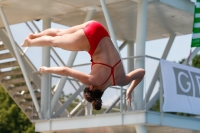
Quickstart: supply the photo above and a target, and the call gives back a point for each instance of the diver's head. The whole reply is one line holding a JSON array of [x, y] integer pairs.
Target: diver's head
[[93, 95]]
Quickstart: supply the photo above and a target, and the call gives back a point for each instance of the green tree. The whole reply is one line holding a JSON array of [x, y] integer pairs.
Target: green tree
[[196, 61], [12, 119]]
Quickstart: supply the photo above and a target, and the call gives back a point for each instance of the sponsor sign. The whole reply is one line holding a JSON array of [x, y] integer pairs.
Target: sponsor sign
[[181, 86]]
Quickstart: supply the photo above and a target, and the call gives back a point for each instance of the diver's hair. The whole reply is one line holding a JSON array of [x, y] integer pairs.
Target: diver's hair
[[94, 97]]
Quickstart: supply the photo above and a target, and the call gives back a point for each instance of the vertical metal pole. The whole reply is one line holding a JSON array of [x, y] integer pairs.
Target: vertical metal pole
[[45, 84], [161, 90], [161, 96], [140, 51], [130, 65], [61, 83], [88, 109], [121, 100], [109, 23], [20, 62], [130, 52]]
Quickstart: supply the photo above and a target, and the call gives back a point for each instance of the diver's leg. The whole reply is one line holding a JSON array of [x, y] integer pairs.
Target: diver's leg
[[76, 41], [59, 32]]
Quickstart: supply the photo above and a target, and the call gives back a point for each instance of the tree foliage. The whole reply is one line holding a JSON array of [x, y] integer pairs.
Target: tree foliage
[[196, 61], [12, 119]]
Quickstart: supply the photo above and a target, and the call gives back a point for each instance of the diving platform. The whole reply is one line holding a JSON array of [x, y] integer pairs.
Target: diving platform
[[121, 123]]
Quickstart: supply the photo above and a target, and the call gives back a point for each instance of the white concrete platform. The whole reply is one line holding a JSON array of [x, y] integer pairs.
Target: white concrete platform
[[121, 123]]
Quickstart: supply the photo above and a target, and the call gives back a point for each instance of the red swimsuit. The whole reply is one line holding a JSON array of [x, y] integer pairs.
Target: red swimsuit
[[94, 32]]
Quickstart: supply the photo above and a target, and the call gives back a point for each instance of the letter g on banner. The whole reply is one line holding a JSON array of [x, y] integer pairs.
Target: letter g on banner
[[184, 84], [181, 86]]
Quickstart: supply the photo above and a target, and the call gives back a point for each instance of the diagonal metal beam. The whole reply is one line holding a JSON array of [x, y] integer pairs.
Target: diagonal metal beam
[[109, 23], [38, 30], [113, 104], [156, 74], [29, 27], [54, 51], [74, 87], [69, 101], [152, 101], [123, 45], [77, 106], [20, 62], [60, 85]]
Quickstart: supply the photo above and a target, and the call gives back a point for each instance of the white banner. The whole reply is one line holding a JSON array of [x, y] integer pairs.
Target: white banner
[[181, 85]]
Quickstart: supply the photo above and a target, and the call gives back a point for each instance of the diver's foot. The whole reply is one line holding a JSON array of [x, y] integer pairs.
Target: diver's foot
[[26, 43], [32, 36]]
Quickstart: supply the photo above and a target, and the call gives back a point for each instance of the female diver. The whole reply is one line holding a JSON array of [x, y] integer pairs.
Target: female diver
[[107, 69]]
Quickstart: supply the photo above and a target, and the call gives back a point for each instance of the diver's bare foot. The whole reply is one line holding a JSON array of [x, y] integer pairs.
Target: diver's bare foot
[[26, 43], [32, 36]]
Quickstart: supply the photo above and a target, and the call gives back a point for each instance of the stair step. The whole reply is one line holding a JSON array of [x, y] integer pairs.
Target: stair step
[[31, 113], [9, 64], [27, 103], [35, 117], [11, 73], [21, 88], [37, 94], [26, 96], [13, 81], [30, 110], [18, 88], [2, 47], [5, 56]]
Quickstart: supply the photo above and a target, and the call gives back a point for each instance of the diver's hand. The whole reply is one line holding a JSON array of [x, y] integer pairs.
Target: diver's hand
[[128, 97], [43, 69]]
